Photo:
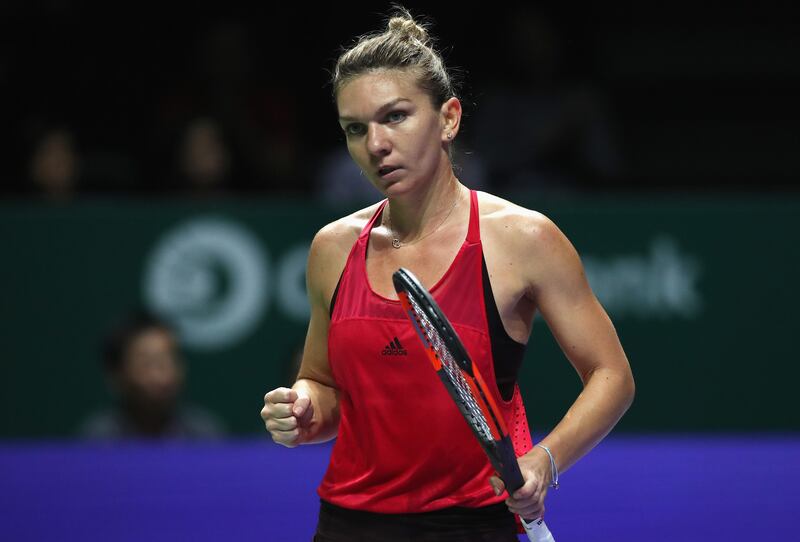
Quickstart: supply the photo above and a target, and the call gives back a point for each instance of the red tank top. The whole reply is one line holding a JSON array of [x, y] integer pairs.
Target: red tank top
[[402, 444]]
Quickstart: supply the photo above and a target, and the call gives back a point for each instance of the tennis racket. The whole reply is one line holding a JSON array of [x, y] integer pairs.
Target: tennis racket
[[465, 385]]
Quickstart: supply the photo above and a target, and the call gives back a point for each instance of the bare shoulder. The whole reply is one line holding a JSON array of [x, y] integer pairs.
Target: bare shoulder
[[330, 248], [512, 224], [525, 246], [341, 233]]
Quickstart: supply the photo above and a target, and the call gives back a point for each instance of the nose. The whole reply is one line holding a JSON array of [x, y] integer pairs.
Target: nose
[[378, 142]]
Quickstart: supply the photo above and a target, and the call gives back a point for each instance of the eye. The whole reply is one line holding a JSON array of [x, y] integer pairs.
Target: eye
[[358, 129], [353, 129], [394, 114]]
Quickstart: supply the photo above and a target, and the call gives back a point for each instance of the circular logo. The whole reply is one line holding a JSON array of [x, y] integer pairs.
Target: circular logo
[[291, 284], [209, 276]]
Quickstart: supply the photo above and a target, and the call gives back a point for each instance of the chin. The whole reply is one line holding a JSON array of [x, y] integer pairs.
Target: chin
[[393, 191], [397, 188]]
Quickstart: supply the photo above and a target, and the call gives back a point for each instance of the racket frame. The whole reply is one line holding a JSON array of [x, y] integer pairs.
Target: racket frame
[[500, 450]]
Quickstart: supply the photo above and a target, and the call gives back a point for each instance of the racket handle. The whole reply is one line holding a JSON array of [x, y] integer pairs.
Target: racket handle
[[537, 531]]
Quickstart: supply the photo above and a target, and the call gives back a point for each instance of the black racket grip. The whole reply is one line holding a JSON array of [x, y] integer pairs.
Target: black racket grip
[[509, 469]]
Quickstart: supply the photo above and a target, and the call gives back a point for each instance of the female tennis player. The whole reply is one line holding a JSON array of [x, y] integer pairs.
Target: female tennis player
[[405, 465]]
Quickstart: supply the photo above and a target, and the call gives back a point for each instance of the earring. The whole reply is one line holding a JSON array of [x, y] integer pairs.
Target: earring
[[450, 136]]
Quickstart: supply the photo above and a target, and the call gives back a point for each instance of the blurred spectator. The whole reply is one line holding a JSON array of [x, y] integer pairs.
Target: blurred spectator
[[254, 107], [538, 127], [203, 161], [54, 164], [146, 373], [61, 167]]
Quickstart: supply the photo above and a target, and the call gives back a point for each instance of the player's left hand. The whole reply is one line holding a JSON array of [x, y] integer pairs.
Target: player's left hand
[[528, 501]]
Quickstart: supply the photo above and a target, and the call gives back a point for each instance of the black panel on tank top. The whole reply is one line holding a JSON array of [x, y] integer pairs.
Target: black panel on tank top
[[506, 352], [333, 297]]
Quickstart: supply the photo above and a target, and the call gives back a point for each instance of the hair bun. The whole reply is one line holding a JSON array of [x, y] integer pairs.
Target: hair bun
[[407, 28]]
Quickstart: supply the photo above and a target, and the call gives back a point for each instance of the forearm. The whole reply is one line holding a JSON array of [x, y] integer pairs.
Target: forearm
[[606, 396], [325, 401]]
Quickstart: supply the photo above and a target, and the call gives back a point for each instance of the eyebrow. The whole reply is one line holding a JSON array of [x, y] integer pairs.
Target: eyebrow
[[381, 108]]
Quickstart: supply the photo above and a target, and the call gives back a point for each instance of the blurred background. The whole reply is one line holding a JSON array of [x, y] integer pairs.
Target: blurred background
[[163, 172]]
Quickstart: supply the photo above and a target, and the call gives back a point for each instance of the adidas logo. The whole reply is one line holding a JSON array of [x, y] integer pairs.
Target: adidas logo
[[394, 348]]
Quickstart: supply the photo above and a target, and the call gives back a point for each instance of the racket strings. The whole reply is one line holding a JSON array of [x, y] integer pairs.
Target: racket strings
[[453, 372]]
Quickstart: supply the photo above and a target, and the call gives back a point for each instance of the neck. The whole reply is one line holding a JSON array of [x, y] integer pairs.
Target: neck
[[411, 216]]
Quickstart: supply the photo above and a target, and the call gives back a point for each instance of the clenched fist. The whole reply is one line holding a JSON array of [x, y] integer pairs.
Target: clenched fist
[[287, 416]]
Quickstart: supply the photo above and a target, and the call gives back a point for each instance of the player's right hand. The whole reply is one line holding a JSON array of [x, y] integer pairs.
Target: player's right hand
[[287, 416]]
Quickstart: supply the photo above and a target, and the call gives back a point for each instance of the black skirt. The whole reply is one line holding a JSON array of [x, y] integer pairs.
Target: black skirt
[[487, 524]]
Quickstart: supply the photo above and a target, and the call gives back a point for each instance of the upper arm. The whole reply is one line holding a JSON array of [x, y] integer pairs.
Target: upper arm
[[326, 259], [561, 292]]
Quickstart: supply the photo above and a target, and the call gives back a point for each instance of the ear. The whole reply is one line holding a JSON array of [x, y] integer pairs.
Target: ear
[[451, 119]]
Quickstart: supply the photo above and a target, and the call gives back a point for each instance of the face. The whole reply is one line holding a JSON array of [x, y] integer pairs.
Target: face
[[389, 121], [204, 157], [54, 165], [152, 373]]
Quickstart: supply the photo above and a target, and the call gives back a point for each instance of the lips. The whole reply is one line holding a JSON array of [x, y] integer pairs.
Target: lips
[[385, 170]]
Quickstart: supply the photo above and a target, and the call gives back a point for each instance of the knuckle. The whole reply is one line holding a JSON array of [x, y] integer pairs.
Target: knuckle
[[293, 437], [285, 424], [285, 438], [274, 424], [276, 396]]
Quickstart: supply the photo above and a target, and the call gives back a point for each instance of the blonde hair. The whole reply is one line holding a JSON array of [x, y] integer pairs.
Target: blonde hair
[[403, 45]]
